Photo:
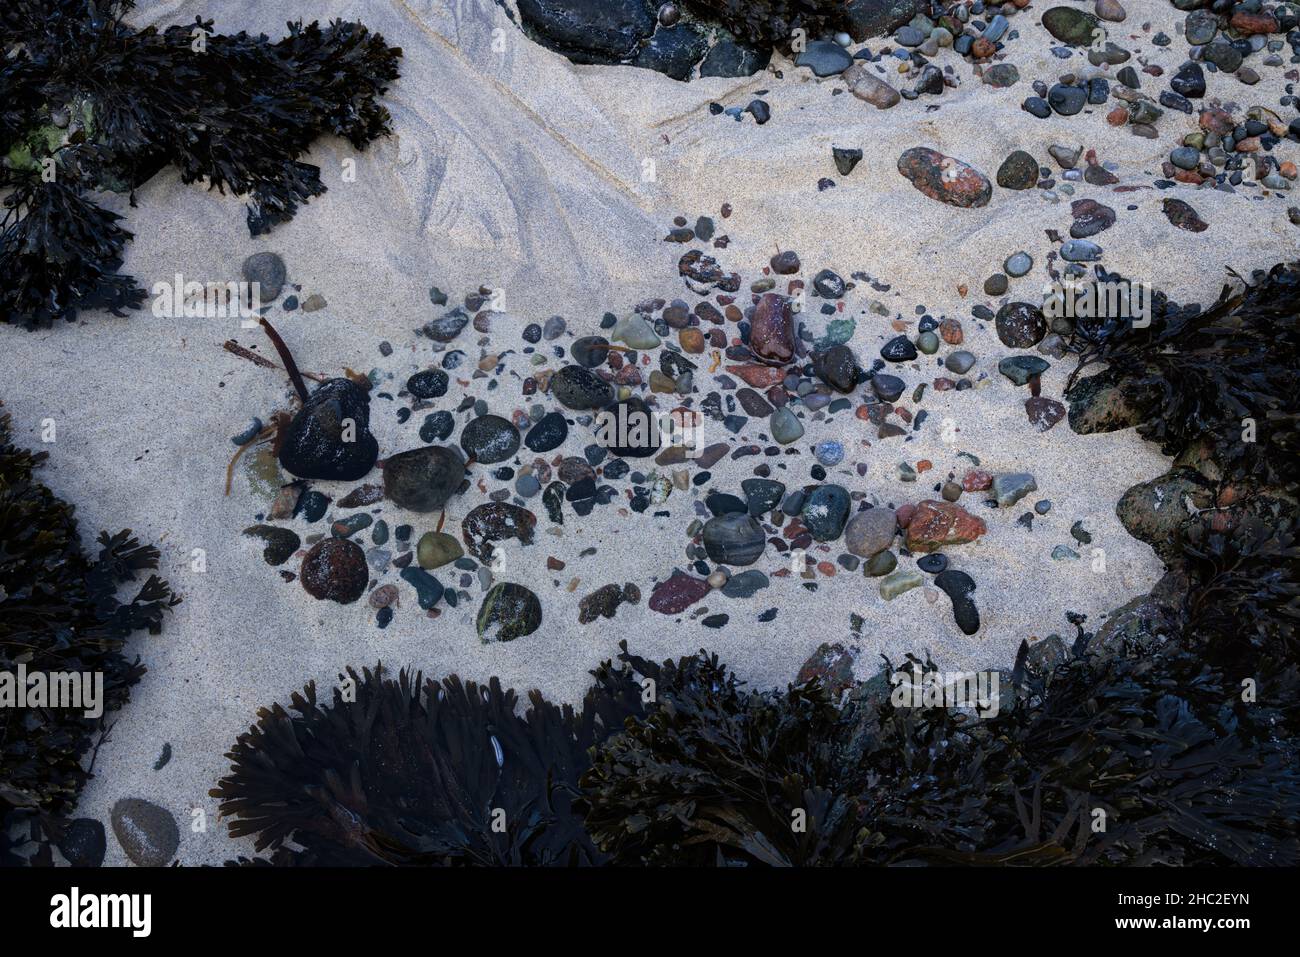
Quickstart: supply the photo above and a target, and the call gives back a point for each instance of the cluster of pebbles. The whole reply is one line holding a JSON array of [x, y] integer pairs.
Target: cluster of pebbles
[[742, 366]]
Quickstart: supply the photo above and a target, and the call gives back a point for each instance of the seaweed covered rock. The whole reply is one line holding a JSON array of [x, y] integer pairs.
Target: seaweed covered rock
[[59, 612], [103, 106], [415, 772], [1226, 377]]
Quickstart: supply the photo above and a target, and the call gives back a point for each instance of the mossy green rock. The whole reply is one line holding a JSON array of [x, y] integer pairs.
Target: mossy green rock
[[436, 549], [509, 611], [1071, 26], [899, 582]]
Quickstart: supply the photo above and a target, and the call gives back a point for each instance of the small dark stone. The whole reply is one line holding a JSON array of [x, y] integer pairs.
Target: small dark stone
[[335, 569], [330, 436], [959, 586], [490, 439], [429, 384], [548, 433], [423, 479], [509, 611]]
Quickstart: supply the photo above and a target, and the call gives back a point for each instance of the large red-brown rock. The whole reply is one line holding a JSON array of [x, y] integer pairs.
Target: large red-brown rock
[[677, 593], [1248, 24], [935, 525], [771, 332], [944, 178], [760, 377]]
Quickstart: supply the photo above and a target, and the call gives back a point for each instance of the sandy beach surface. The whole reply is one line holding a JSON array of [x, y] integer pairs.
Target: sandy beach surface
[[512, 168]]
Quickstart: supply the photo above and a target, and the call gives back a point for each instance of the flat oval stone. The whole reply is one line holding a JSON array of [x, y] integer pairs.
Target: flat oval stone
[[490, 439], [548, 433], [436, 549], [870, 531], [579, 388], [733, 539], [1072, 26], [898, 349], [148, 833], [944, 178], [428, 384]]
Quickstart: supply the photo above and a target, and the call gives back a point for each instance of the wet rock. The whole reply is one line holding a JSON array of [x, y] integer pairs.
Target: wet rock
[[771, 336], [837, 367], [1018, 171], [832, 665], [428, 590], [745, 584], [870, 531], [494, 522], [673, 51], [448, 326], [435, 549], [733, 539], [280, 542], [629, 429], [1157, 512], [330, 436], [1090, 218], [1020, 369], [548, 433], [579, 388], [785, 426], [423, 479], [1020, 325], [944, 178], [731, 59], [1182, 215], [1189, 80], [677, 593], [887, 387], [335, 569], [267, 270], [509, 611], [1071, 26], [589, 31], [824, 512], [428, 384], [898, 349], [935, 525], [824, 58], [762, 495], [881, 563], [490, 439], [1043, 412], [1105, 403], [959, 586], [148, 833], [590, 351], [84, 843]]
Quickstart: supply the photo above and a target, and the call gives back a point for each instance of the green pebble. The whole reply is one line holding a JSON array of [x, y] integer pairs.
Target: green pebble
[[436, 549], [899, 582]]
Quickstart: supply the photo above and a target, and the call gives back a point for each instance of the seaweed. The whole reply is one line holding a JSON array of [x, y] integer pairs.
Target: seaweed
[[60, 613], [91, 104], [1222, 379], [410, 772]]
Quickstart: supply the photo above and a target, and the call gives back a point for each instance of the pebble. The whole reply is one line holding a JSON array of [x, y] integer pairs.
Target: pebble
[[900, 582], [316, 445], [509, 611], [824, 58], [944, 178], [1020, 369], [932, 564], [435, 549], [1020, 325], [733, 539], [267, 270], [1018, 264], [829, 452], [1010, 488], [825, 511], [784, 426], [335, 569], [428, 384], [147, 833], [84, 842], [579, 388], [959, 586], [898, 349], [423, 479], [959, 362], [871, 531]]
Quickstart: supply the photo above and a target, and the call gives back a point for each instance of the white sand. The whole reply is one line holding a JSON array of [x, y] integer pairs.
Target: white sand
[[524, 172]]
